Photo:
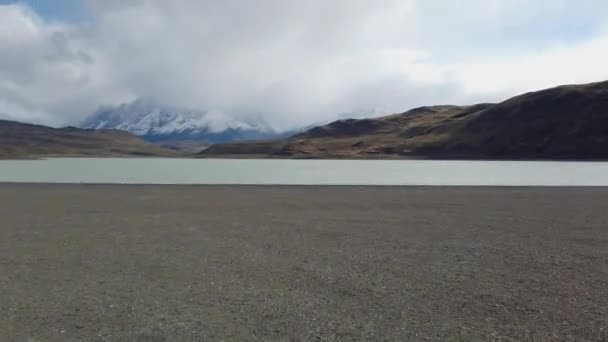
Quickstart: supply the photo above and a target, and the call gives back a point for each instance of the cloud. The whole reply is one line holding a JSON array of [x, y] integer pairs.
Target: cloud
[[294, 62], [560, 64], [48, 73]]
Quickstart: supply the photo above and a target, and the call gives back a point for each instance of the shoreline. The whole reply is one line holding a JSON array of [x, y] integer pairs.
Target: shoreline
[[271, 157], [309, 186]]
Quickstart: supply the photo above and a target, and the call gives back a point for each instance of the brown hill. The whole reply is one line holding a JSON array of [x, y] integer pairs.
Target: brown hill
[[566, 122], [19, 140]]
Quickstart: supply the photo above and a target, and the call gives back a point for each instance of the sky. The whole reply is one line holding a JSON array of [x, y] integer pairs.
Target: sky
[[292, 62]]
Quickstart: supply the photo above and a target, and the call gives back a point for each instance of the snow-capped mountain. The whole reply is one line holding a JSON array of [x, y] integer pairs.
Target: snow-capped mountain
[[156, 122]]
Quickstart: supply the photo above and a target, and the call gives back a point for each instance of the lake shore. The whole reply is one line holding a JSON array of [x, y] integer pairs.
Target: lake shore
[[145, 262]]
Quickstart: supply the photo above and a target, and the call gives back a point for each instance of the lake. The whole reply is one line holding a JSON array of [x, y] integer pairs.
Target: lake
[[303, 172]]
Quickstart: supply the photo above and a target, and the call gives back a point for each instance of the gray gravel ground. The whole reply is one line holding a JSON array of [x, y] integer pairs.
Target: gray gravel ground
[[189, 263]]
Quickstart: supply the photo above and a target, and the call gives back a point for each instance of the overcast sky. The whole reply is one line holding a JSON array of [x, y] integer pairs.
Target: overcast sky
[[294, 62]]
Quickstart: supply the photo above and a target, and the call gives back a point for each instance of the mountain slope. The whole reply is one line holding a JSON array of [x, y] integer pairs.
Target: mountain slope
[[159, 123], [562, 122], [566, 122], [20, 140]]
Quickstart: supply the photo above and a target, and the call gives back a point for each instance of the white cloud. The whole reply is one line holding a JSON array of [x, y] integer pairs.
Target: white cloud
[[578, 63], [48, 73], [295, 62]]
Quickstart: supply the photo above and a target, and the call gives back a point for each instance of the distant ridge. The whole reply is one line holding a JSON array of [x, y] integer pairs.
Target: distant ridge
[[565, 122], [21, 140]]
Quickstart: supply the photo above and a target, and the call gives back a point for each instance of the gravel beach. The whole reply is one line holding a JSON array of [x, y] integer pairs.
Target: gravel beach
[[194, 263]]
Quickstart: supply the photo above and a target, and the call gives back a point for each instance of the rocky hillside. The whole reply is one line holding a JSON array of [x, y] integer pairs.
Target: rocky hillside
[[566, 122], [19, 140]]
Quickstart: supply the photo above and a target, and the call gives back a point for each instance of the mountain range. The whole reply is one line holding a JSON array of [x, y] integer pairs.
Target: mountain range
[[566, 122], [156, 122]]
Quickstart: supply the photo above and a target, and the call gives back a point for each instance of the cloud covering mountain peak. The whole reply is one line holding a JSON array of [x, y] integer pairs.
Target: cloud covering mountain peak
[[154, 121], [295, 62]]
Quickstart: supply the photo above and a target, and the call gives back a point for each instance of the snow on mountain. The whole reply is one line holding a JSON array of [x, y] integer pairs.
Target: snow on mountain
[[156, 122]]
